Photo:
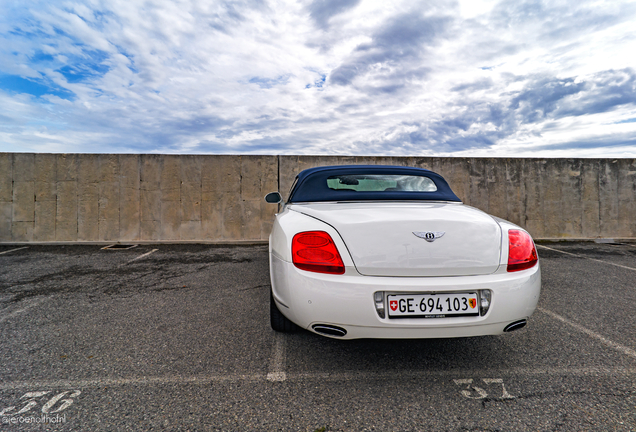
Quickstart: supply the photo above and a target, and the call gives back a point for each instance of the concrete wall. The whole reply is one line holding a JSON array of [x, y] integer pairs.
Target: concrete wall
[[127, 198]]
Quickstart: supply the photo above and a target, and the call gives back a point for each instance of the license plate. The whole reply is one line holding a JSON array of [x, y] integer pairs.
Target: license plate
[[433, 305]]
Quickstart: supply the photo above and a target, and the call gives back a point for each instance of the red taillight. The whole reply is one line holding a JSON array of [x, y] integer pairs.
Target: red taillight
[[521, 251], [315, 251]]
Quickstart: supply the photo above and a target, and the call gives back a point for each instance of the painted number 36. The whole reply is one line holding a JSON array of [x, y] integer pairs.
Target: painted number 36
[[31, 400]]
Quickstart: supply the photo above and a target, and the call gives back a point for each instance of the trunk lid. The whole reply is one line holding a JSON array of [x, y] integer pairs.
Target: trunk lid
[[380, 237]]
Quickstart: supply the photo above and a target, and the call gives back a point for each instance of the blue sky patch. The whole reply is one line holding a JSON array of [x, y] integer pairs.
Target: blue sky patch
[[40, 57], [268, 83], [16, 84], [131, 66], [81, 69], [319, 83]]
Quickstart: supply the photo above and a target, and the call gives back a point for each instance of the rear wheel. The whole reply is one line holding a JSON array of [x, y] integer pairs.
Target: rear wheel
[[277, 320]]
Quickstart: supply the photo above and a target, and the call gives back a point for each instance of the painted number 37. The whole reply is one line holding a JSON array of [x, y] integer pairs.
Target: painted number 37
[[471, 391], [31, 400]]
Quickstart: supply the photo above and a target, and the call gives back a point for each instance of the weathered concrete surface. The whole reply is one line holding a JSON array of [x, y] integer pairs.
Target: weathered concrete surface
[[190, 195], [45, 215], [45, 195], [6, 196], [88, 198], [23, 201], [129, 198], [6, 177], [150, 197], [66, 217], [23, 217]]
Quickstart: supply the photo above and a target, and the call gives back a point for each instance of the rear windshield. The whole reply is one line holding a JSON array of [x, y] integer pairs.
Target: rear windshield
[[381, 183], [369, 183]]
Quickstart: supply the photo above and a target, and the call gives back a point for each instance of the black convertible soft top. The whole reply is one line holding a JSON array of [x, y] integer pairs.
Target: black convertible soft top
[[312, 184]]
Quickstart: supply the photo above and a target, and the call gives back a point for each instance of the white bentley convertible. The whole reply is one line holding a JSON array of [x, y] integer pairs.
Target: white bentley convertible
[[391, 252]]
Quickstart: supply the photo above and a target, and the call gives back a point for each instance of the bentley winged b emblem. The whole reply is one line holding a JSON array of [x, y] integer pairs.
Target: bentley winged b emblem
[[429, 236]]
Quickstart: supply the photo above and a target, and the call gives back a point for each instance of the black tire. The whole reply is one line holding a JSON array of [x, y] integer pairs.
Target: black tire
[[277, 320]]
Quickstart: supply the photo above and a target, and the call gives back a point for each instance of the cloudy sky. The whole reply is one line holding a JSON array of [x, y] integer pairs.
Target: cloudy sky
[[361, 77]]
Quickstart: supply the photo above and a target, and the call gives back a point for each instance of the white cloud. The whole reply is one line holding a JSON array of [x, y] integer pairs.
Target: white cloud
[[320, 77]]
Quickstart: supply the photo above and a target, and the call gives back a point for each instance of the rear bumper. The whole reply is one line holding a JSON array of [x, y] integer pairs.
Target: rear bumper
[[346, 301]]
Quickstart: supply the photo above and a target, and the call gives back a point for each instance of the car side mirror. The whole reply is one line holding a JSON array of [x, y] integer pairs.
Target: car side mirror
[[273, 198]]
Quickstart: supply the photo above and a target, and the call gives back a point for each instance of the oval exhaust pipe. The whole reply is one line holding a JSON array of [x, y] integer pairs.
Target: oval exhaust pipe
[[515, 325], [329, 330]]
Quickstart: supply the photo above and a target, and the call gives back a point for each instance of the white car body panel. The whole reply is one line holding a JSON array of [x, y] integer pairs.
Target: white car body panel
[[347, 300], [380, 237]]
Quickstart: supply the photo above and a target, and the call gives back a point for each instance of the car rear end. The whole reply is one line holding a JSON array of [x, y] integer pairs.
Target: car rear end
[[392, 283], [391, 252]]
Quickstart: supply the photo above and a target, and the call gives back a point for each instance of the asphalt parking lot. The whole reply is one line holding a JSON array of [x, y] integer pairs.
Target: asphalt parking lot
[[177, 337]]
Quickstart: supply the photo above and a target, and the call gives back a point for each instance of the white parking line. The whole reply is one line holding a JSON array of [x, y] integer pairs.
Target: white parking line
[[625, 350], [320, 376], [142, 256], [277, 360], [160, 380], [591, 259], [428, 374], [23, 309], [13, 250]]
